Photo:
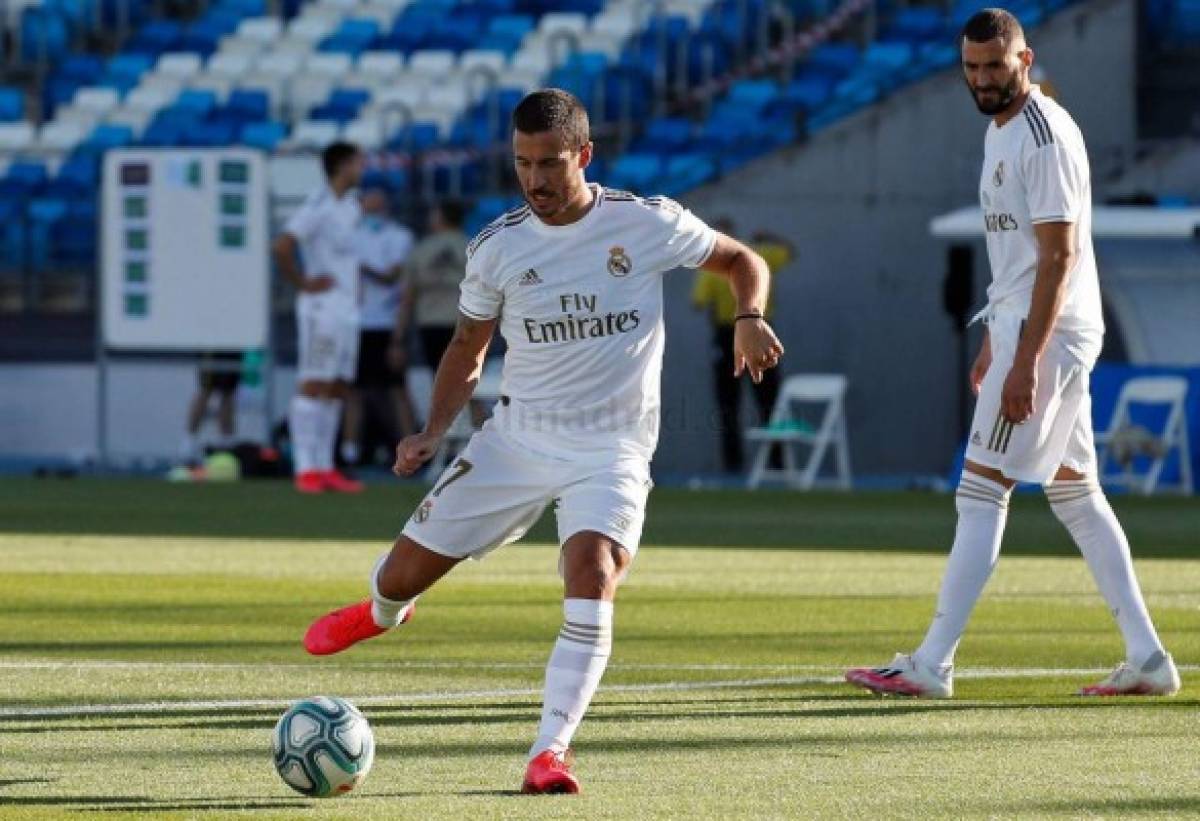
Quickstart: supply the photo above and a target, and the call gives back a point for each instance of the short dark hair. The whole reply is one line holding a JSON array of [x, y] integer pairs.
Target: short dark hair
[[453, 212], [335, 155], [552, 109], [989, 24]]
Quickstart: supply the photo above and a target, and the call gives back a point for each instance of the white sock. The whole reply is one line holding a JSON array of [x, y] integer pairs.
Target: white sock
[[1084, 510], [331, 415], [350, 452], [982, 510], [304, 422], [386, 612], [573, 673]]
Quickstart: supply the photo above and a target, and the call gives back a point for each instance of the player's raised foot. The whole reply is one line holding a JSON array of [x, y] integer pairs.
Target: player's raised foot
[[1157, 677], [339, 482], [549, 773], [310, 481], [334, 632], [903, 677]]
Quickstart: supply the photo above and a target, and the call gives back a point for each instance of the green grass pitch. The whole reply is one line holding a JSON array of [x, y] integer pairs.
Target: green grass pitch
[[149, 639]]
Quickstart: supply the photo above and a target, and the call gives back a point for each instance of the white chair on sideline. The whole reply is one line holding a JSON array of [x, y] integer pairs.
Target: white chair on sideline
[[1125, 441], [786, 430]]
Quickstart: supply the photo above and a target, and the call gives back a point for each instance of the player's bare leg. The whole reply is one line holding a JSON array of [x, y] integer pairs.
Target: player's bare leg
[[1081, 506], [396, 580], [593, 566], [982, 503]]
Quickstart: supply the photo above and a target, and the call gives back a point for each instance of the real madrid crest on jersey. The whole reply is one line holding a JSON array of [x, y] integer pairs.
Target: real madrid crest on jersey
[[619, 263], [998, 177], [422, 513]]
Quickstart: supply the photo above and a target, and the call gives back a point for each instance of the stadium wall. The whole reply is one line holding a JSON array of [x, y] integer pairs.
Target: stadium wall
[[864, 295]]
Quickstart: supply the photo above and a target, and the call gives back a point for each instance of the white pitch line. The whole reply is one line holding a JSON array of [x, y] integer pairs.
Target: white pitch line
[[106, 664], [400, 699]]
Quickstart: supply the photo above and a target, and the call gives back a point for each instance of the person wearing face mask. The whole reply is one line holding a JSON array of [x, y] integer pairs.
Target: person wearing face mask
[[379, 390]]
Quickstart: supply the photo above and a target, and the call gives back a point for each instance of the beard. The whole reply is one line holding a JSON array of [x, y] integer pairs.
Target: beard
[[1004, 95]]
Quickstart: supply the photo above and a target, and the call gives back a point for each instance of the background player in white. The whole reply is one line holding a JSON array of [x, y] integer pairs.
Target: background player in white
[[574, 281], [379, 390], [1033, 416], [321, 236]]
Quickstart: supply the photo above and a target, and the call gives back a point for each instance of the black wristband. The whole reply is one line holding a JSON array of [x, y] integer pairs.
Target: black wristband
[[747, 316]]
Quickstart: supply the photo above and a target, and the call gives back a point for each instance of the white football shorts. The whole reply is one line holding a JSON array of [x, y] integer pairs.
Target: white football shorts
[[1060, 431], [495, 491], [328, 346]]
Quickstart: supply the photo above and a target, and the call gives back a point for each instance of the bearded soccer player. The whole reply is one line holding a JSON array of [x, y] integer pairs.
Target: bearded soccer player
[[1033, 414], [574, 281]]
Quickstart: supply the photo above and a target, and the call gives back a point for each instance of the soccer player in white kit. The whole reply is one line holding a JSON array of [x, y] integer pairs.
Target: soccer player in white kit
[[574, 281], [1032, 418], [322, 232]]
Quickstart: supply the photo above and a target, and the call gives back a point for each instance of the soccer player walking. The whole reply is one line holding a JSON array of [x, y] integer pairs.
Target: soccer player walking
[[1033, 415], [574, 281]]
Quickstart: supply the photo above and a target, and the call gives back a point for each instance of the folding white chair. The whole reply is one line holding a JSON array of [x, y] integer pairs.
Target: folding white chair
[[1124, 441], [786, 430]]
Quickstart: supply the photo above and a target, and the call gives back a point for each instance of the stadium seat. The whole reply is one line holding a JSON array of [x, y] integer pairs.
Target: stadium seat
[[16, 137], [314, 134], [635, 172], [384, 65], [264, 135], [783, 430], [181, 65], [12, 104]]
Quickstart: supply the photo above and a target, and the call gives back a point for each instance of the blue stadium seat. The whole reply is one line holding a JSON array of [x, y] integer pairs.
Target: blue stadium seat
[[665, 135], [108, 135], [343, 105], [43, 214], [197, 101], [806, 91], [211, 134], [12, 104], [155, 37], [916, 25], [24, 178], [248, 105], [44, 36], [265, 135], [685, 172], [834, 60], [418, 136], [635, 172]]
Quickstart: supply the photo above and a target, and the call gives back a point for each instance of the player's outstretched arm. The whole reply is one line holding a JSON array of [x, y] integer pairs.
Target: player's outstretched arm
[[755, 346], [455, 381]]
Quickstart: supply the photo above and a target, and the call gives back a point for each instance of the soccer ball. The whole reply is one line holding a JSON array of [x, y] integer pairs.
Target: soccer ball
[[323, 747]]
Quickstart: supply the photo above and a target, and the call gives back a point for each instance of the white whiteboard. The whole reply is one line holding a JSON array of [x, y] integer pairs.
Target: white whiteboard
[[184, 250]]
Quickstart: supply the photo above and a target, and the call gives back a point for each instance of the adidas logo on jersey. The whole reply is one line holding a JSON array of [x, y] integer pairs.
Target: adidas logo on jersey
[[530, 277]]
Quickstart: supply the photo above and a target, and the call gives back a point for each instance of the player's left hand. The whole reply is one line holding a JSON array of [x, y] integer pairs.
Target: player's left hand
[[1016, 398], [755, 348]]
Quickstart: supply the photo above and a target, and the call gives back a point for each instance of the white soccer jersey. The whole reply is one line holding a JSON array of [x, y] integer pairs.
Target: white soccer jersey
[[1035, 170], [381, 246], [581, 309], [325, 228]]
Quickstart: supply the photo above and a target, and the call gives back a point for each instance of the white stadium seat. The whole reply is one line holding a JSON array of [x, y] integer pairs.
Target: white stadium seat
[[384, 64], [61, 136], [563, 21], [15, 136], [305, 92], [150, 98], [234, 44], [96, 99], [432, 63], [136, 118], [1124, 441], [785, 431], [279, 65], [221, 86], [314, 134], [184, 65], [231, 65], [614, 22], [532, 61], [408, 94], [523, 80], [168, 85], [73, 114], [311, 27], [331, 65], [296, 46], [365, 132], [263, 30], [451, 98]]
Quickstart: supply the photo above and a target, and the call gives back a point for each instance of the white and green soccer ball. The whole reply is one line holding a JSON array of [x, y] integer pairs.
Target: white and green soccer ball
[[324, 747]]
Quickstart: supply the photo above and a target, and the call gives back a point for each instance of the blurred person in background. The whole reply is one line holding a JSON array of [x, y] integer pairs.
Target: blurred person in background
[[711, 294], [433, 274], [219, 373], [316, 252], [379, 392]]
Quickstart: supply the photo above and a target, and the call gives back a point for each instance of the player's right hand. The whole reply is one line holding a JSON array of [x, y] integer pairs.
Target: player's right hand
[[318, 284], [414, 451]]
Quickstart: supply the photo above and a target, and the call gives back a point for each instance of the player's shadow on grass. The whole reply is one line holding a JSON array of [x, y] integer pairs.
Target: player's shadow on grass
[[137, 803], [1112, 807]]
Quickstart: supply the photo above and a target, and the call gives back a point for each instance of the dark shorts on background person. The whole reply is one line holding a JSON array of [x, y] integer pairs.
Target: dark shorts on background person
[[373, 368], [221, 372], [435, 339]]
